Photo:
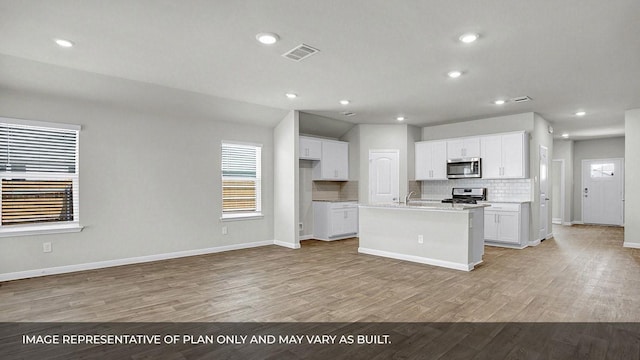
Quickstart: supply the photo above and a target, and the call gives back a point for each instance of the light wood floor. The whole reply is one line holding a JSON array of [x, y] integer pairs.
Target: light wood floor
[[584, 274]]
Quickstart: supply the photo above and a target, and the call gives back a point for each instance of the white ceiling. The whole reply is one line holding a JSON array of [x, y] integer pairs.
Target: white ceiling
[[387, 57]]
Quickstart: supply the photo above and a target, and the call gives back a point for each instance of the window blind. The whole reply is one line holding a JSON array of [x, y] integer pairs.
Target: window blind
[[241, 176], [35, 149], [39, 170]]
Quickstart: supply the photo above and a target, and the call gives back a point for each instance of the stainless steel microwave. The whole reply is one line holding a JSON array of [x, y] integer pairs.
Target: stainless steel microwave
[[464, 168]]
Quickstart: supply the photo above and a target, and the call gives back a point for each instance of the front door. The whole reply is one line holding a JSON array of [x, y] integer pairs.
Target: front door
[[602, 191], [384, 176]]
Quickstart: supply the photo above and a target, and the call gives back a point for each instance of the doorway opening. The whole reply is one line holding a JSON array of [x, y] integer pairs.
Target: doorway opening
[[557, 192]]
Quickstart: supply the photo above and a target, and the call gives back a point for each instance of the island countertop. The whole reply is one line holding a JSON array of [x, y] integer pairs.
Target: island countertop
[[426, 206]]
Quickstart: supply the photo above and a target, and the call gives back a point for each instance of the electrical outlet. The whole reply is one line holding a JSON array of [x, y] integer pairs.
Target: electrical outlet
[[46, 247], [420, 239], [225, 231]]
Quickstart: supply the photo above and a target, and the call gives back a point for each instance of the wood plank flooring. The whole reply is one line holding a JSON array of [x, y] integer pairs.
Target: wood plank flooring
[[583, 274]]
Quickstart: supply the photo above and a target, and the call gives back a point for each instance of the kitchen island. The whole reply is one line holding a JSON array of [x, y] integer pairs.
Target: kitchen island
[[446, 235]]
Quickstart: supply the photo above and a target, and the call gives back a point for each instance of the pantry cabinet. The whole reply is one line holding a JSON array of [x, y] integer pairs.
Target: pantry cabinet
[[504, 156], [431, 160]]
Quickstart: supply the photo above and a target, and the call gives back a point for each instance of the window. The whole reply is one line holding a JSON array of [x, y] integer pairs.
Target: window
[[241, 180], [602, 170], [39, 177]]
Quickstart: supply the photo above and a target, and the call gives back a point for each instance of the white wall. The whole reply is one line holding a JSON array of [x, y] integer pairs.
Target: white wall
[[518, 122], [592, 149], [631, 179], [286, 183], [149, 183]]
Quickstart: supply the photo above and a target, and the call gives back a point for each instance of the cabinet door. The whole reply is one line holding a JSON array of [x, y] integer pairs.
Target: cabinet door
[[423, 160], [351, 221], [336, 219], [439, 160], [491, 154], [310, 149], [513, 162], [455, 148], [508, 229], [490, 225], [335, 160], [471, 147]]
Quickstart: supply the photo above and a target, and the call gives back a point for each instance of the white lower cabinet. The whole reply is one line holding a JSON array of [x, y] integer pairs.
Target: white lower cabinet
[[334, 220], [507, 224]]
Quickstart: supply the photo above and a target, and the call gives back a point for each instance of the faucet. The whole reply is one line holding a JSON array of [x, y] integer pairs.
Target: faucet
[[406, 198]]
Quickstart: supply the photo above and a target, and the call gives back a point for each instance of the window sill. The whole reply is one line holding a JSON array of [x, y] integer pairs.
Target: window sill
[[40, 230], [235, 217]]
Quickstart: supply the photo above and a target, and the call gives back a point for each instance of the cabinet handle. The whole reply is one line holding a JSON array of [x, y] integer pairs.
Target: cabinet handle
[[306, 152], [346, 214]]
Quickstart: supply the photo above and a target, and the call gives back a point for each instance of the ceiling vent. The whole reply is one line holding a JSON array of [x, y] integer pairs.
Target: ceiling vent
[[348, 113], [300, 52], [520, 99]]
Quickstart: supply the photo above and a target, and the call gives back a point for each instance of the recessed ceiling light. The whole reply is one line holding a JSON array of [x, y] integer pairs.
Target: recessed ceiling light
[[500, 102], [345, 102], [64, 43], [291, 95], [401, 118], [581, 113], [468, 38], [268, 38], [565, 135], [454, 74]]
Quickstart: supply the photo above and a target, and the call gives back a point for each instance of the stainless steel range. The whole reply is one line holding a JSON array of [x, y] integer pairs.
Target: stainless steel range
[[467, 195]]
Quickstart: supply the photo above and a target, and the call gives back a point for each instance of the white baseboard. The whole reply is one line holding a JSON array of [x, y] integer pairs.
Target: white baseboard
[[417, 259], [504, 245], [631, 245], [567, 223], [549, 236], [556, 221], [577, 223], [127, 261], [286, 244], [534, 243], [306, 237]]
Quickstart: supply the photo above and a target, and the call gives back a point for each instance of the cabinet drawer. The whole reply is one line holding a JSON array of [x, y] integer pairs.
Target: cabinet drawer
[[503, 207]]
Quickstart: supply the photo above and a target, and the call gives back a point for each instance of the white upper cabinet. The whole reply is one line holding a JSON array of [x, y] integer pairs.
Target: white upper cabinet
[[504, 156], [310, 148], [334, 161], [431, 160], [463, 148]]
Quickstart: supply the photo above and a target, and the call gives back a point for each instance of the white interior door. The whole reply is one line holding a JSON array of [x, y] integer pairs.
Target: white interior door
[[602, 191], [384, 176], [544, 193]]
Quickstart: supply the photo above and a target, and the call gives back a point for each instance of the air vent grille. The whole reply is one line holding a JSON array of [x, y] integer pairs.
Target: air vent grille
[[520, 99], [300, 52], [348, 113]]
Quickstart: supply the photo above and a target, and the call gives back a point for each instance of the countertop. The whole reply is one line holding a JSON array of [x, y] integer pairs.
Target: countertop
[[484, 201], [428, 206], [335, 201]]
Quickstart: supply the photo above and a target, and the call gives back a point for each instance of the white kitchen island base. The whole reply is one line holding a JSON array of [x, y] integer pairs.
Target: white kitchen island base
[[450, 236]]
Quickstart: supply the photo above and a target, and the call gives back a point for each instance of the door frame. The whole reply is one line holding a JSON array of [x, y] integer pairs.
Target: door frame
[[582, 185], [372, 151], [562, 192], [547, 227]]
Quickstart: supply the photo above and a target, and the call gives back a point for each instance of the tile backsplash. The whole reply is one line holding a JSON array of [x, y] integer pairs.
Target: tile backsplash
[[335, 190], [497, 190]]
